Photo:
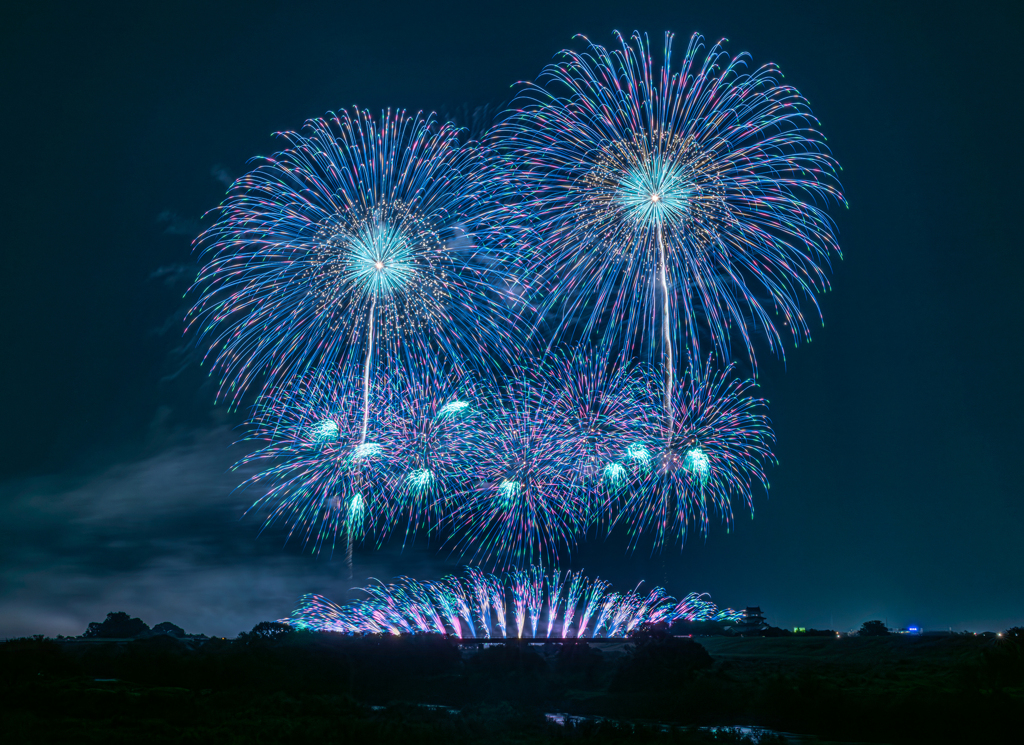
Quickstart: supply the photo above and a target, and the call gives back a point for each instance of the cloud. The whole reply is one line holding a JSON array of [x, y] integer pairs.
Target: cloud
[[220, 173], [163, 538], [175, 224], [174, 275]]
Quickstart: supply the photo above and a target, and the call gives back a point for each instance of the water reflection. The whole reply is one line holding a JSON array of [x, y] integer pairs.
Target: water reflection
[[754, 733]]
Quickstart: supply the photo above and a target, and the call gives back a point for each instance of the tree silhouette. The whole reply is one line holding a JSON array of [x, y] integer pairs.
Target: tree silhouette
[[873, 628], [119, 625], [169, 629]]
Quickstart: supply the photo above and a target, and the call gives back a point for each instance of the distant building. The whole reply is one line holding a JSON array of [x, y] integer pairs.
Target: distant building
[[752, 622]]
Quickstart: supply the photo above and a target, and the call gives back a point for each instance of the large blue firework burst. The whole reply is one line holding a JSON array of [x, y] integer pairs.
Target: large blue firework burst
[[693, 195], [349, 250], [714, 455]]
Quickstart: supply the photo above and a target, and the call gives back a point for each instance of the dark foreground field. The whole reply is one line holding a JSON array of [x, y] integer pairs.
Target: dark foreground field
[[282, 687]]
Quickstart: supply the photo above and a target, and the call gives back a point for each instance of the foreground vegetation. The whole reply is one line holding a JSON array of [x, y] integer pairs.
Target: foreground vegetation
[[277, 685]]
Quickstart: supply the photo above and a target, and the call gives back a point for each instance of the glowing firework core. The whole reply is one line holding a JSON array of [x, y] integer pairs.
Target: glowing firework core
[[509, 490], [696, 463], [421, 478], [453, 409], [380, 259], [652, 190], [638, 452], [615, 475], [367, 450], [356, 511], [324, 431]]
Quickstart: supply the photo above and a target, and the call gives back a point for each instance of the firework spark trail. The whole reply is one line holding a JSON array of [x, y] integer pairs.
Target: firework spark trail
[[519, 582], [556, 596], [496, 590], [535, 597], [422, 605], [572, 599], [593, 596], [666, 326], [462, 603], [477, 581], [704, 179], [609, 603], [449, 606], [366, 374]]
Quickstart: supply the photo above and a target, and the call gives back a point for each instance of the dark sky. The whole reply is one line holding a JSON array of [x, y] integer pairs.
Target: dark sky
[[898, 494]]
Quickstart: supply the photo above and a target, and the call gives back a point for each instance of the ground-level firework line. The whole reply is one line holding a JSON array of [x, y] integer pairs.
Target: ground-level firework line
[[481, 606]]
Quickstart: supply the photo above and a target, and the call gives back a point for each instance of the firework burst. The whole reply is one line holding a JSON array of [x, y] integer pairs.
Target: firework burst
[[602, 408], [526, 503], [348, 246], [426, 424], [367, 282], [691, 196], [714, 455], [323, 475]]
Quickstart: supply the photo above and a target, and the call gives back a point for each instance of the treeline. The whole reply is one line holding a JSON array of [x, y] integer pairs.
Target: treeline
[[277, 684]]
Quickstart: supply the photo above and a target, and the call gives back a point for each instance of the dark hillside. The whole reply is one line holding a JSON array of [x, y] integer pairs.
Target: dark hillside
[[278, 685]]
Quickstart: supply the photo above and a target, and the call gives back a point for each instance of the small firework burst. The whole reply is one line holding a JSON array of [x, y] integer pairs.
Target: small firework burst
[[526, 502], [714, 454], [323, 478], [426, 419], [602, 408]]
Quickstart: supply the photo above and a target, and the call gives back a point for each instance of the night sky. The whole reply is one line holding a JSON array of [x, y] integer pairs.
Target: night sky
[[898, 491]]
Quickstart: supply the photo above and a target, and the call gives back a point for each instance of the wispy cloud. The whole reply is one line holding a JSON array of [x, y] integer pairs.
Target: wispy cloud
[[175, 224], [162, 538], [220, 173]]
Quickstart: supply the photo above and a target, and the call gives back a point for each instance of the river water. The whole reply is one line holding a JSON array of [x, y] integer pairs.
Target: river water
[[754, 733]]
